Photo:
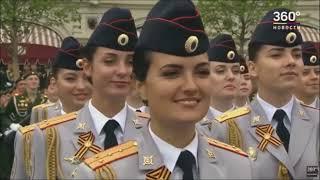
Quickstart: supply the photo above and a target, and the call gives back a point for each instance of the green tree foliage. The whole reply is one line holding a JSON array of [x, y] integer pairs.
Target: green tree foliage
[[236, 17], [19, 17]]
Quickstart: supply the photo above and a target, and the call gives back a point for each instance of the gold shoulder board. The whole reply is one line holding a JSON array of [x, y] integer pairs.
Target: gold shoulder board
[[48, 104], [305, 105], [115, 153], [57, 120], [49, 122], [233, 114], [28, 128], [143, 115], [227, 147]]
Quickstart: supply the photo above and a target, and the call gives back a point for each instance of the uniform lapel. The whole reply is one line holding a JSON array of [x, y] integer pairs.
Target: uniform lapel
[[258, 117], [208, 165], [298, 141], [83, 124], [133, 123], [149, 155]]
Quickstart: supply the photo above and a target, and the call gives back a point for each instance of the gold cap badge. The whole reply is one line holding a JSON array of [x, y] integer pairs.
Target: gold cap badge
[[123, 39], [231, 55], [80, 63], [291, 37], [191, 44], [242, 68], [313, 59]]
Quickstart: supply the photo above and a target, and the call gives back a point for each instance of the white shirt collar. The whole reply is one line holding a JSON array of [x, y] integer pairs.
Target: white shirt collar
[[170, 154], [99, 119], [142, 108], [314, 103], [270, 109], [61, 110]]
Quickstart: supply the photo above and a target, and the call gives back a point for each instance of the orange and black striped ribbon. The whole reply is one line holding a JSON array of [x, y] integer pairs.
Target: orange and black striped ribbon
[[159, 173], [86, 140], [265, 131]]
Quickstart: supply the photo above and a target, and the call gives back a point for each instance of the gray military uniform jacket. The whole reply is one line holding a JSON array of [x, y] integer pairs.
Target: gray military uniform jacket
[[20, 167], [303, 145], [67, 144], [213, 162], [45, 111]]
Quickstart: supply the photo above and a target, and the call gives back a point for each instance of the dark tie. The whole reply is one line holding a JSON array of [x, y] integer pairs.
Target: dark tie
[[111, 139], [281, 130], [185, 162]]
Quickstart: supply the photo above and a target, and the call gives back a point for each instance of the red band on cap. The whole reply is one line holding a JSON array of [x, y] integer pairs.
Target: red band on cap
[[119, 29], [169, 21], [186, 17]]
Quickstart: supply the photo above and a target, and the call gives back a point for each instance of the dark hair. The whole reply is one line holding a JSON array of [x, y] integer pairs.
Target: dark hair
[[141, 64], [88, 52], [253, 49]]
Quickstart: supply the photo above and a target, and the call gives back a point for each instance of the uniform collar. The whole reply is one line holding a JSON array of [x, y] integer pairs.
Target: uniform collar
[[61, 110], [169, 153], [142, 108], [99, 119], [217, 113], [270, 109], [314, 103]]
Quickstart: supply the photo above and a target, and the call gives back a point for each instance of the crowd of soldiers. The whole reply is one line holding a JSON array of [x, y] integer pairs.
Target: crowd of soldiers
[[169, 104]]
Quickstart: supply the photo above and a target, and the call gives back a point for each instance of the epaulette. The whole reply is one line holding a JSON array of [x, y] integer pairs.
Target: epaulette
[[48, 104], [305, 105], [115, 153], [233, 114], [227, 147], [50, 122], [28, 128], [37, 106], [143, 115], [57, 120]]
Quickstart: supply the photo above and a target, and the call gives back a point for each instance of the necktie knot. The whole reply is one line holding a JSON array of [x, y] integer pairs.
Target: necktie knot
[[279, 115], [185, 161], [111, 125], [111, 139]]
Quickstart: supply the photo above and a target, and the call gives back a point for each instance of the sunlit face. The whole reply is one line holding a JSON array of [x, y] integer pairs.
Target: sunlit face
[[177, 88], [21, 86], [277, 68], [32, 82], [245, 87], [110, 71], [225, 79], [309, 81], [74, 89]]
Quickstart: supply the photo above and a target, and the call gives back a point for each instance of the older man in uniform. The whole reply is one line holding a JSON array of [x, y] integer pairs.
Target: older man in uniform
[[309, 86]]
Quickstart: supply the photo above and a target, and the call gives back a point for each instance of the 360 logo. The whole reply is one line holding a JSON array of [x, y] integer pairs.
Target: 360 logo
[[286, 20], [285, 16]]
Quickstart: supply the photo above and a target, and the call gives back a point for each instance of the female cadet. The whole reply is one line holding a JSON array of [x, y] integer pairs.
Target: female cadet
[[74, 91], [105, 120], [245, 85], [225, 77], [173, 77], [308, 88], [280, 134]]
